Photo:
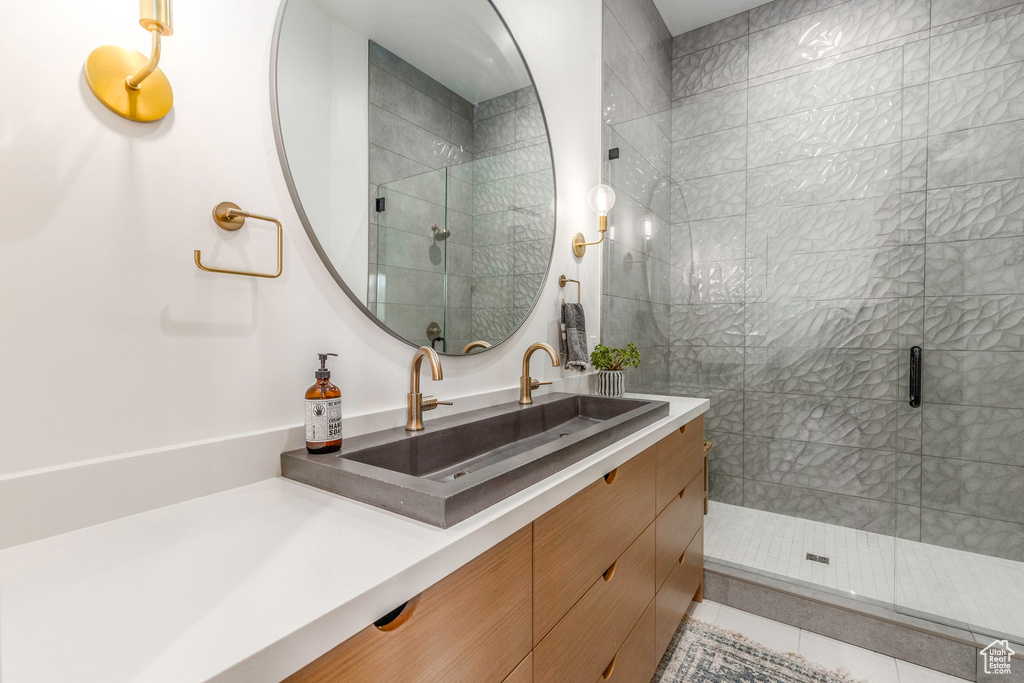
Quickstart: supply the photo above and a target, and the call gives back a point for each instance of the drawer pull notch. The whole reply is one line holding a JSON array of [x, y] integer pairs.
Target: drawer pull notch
[[610, 669], [396, 617], [610, 477], [610, 572]]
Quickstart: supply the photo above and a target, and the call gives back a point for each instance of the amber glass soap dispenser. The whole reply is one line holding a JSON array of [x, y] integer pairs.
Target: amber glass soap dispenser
[[323, 412]]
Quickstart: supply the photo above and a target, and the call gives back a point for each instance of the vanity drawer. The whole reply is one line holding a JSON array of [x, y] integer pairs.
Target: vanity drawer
[[677, 524], [473, 626], [677, 592], [680, 455], [575, 542], [636, 661], [581, 645], [524, 672]]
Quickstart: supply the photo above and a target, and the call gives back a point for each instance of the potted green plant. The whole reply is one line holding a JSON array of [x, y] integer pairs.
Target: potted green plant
[[610, 363]]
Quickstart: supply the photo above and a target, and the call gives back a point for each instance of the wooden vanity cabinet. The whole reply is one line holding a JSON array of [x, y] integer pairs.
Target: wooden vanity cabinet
[[590, 592]]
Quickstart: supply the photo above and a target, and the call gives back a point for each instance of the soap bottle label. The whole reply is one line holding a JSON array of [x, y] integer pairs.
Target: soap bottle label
[[323, 420]]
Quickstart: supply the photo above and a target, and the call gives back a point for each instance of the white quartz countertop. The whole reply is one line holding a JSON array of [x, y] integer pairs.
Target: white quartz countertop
[[246, 585]]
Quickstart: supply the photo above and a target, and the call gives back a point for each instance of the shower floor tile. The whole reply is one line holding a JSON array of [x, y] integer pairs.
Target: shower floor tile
[[958, 587]]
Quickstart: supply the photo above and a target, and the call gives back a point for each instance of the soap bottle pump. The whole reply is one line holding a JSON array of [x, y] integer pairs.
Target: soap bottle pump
[[323, 412]]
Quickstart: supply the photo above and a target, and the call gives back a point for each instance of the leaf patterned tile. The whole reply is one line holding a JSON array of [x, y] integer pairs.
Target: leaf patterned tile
[[772, 13], [726, 411], [821, 506], [980, 98], [708, 324], [711, 154], [715, 67], [975, 323], [709, 366], [833, 31], [983, 434], [973, 488], [700, 117], [978, 47], [976, 211], [832, 84], [973, 534], [980, 378], [854, 124], [857, 323], [859, 373], [534, 189], [711, 197], [842, 421], [821, 467], [849, 175], [704, 37], [990, 266]]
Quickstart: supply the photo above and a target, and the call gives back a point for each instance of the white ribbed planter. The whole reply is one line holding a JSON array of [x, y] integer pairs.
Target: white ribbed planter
[[611, 383]]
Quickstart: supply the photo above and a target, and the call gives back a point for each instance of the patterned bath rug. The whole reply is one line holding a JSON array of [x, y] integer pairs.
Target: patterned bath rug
[[703, 653]]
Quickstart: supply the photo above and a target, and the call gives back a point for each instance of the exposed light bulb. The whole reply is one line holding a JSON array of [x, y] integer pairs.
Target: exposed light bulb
[[601, 199]]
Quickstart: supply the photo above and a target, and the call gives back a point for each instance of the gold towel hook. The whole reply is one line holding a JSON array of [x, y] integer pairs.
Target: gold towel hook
[[563, 280], [230, 217]]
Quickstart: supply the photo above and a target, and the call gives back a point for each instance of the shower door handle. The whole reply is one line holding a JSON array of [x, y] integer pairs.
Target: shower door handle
[[915, 377]]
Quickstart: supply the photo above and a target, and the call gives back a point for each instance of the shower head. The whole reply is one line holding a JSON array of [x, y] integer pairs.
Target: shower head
[[440, 234]]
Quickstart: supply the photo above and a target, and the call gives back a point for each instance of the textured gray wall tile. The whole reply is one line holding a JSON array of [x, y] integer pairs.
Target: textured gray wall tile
[[977, 99], [862, 273], [915, 112], [632, 274], [526, 96], [850, 80], [711, 197], [710, 154], [726, 458], [821, 506], [975, 323], [704, 37], [976, 211], [493, 324], [494, 196], [534, 223], [772, 13], [387, 166], [974, 534], [496, 167], [975, 156], [405, 286], [493, 260], [646, 135], [492, 292], [914, 166], [908, 522], [715, 239], [974, 433], [726, 411], [972, 488], [981, 378], [977, 47], [460, 293], [708, 324], [398, 67], [864, 122], [392, 132], [859, 373], [991, 266], [709, 366], [715, 67], [493, 228], [526, 288], [529, 123], [908, 478], [532, 158], [856, 422], [857, 323], [725, 489], [631, 68], [411, 214], [833, 31], [822, 467], [627, 320], [849, 175], [709, 115], [531, 258], [401, 99], [534, 189], [493, 107], [916, 62], [495, 131]]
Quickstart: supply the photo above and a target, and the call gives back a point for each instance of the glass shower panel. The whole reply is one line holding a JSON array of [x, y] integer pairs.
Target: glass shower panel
[[409, 253], [960, 547]]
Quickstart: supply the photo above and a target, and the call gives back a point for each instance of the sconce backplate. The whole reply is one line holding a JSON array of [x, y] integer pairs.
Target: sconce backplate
[[107, 71]]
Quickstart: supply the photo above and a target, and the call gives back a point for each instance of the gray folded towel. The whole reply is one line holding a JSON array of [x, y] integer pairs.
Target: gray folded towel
[[574, 337]]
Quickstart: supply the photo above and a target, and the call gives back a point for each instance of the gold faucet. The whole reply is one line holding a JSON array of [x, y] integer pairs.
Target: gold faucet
[[526, 383], [480, 344], [417, 402]]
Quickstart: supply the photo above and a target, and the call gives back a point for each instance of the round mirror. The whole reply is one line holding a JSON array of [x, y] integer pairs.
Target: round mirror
[[427, 109]]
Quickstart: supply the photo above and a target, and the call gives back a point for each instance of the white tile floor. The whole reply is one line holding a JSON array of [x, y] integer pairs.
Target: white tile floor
[[862, 664], [958, 587]]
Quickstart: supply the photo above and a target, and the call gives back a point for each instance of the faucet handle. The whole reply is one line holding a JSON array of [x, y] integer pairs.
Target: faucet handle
[[536, 383], [431, 402]]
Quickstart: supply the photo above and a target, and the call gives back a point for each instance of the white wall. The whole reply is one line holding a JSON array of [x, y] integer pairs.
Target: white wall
[[115, 348]]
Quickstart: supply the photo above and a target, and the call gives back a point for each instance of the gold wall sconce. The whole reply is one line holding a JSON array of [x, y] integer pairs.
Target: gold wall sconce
[[601, 200], [229, 217], [126, 81]]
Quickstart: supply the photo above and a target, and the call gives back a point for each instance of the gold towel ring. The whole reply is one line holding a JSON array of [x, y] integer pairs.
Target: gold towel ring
[[230, 217]]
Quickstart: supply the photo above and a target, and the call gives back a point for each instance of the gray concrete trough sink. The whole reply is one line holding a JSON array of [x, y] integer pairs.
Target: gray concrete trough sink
[[465, 463]]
